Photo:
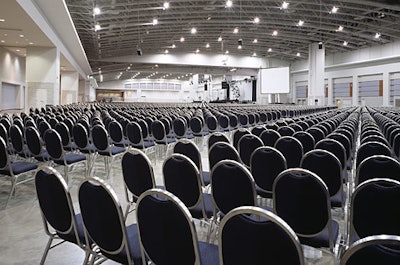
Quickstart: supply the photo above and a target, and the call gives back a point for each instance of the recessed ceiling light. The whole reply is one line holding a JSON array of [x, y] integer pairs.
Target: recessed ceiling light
[[345, 43], [197, 50], [254, 54], [285, 5], [2, 41], [275, 33], [31, 43], [155, 21], [256, 20], [228, 3], [21, 36], [298, 54], [340, 28], [182, 39], [209, 18], [96, 11], [165, 5], [226, 51], [97, 27], [220, 38], [334, 9], [377, 35], [208, 45], [166, 51], [173, 46], [236, 30], [270, 50], [2, 20], [239, 47], [300, 23], [18, 50], [193, 30], [255, 41]]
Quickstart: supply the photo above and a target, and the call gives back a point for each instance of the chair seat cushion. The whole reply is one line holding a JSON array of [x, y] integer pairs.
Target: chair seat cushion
[[322, 239], [114, 150], [206, 178], [18, 168], [208, 253], [71, 158], [44, 156]]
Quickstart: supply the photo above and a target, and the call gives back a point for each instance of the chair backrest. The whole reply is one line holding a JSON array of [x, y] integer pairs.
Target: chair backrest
[[317, 133], [159, 131], [381, 195], [223, 122], [306, 140], [53, 144], [180, 127], [291, 148], [379, 249], [116, 132], [336, 148], [56, 204], [103, 219], [4, 159], [258, 130], [343, 139], [135, 134], [80, 135], [269, 137], [212, 123], [232, 186], [221, 151], [301, 198], [369, 149], [137, 172], [238, 134], [327, 166], [63, 130], [16, 138], [100, 138], [246, 145], [245, 229], [286, 131], [3, 133], [182, 178], [188, 148], [196, 125], [266, 163], [217, 137], [33, 140], [43, 127], [377, 166], [166, 230]]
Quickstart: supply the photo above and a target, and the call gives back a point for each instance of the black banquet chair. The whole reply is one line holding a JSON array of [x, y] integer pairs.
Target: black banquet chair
[[59, 217], [14, 170], [301, 198], [104, 222], [251, 235], [377, 166], [379, 249], [292, 149], [167, 232]]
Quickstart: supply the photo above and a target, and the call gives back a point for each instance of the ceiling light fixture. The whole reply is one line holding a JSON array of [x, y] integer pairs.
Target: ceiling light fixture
[[377, 35], [285, 5], [340, 28], [182, 39], [208, 45], [255, 41], [226, 52], [256, 20], [165, 5], [193, 30], [21, 36], [239, 47], [254, 54], [219, 38], [334, 10], [96, 11], [197, 50], [300, 23], [97, 27], [298, 54], [236, 30], [345, 43], [173, 46], [269, 49], [155, 21], [166, 51], [275, 33], [2, 20], [228, 3]]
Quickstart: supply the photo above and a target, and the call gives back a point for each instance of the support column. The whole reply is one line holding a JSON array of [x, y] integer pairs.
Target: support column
[[316, 74], [69, 87], [355, 91], [330, 91], [42, 76], [386, 89]]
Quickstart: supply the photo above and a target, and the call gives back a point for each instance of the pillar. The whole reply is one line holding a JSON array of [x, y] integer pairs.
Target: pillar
[[316, 74], [355, 101], [386, 89], [330, 91], [42, 76], [69, 87]]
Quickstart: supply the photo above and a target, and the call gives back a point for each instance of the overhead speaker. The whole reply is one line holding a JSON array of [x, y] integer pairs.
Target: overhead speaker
[[139, 52], [320, 45]]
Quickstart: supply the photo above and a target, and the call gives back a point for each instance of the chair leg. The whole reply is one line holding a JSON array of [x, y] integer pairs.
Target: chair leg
[[66, 174], [46, 251], [12, 190]]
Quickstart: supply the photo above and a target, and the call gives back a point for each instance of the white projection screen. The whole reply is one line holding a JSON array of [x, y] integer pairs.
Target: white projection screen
[[275, 80]]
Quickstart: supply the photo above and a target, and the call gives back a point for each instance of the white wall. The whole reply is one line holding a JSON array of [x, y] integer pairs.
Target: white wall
[[12, 71], [69, 87], [383, 60]]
